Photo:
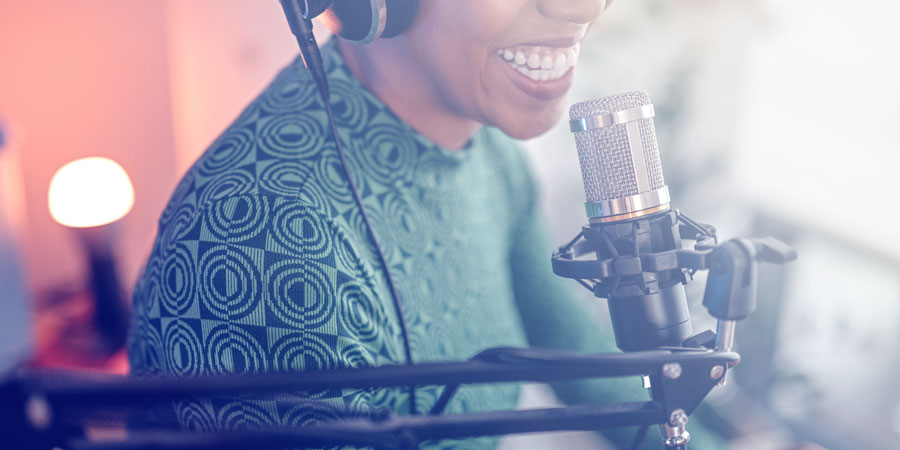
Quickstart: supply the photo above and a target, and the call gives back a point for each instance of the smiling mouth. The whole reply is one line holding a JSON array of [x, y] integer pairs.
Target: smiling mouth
[[541, 63]]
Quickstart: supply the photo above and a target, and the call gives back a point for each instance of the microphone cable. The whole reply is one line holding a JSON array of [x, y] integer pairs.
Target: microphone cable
[[301, 27]]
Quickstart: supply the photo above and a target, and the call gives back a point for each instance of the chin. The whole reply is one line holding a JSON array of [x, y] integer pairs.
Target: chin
[[530, 124]]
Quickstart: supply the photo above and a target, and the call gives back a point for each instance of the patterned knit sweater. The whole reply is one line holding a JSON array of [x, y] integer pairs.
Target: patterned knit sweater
[[262, 261]]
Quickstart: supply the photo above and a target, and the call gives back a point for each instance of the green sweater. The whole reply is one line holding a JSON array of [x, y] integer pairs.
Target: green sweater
[[262, 261]]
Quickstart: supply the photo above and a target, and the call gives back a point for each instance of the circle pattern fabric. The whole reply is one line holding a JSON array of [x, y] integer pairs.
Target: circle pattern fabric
[[262, 260]]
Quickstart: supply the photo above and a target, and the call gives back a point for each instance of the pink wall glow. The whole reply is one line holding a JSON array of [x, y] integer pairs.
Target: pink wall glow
[[148, 84], [86, 78], [222, 53]]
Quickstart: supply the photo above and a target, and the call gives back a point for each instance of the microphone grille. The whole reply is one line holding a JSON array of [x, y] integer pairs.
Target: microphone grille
[[609, 168]]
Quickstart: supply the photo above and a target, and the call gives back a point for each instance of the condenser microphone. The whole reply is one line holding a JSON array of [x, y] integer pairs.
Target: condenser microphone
[[627, 204], [619, 157]]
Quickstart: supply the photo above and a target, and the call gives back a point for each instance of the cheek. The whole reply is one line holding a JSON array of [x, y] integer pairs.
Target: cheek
[[475, 83], [459, 51], [458, 66]]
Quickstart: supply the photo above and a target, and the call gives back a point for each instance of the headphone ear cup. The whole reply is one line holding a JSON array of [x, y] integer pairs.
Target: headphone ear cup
[[356, 20], [400, 15], [367, 20], [316, 7]]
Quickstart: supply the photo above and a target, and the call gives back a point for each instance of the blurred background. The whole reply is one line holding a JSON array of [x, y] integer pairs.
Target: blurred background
[[774, 118]]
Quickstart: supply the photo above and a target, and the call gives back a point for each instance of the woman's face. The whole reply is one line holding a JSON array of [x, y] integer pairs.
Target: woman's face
[[505, 63]]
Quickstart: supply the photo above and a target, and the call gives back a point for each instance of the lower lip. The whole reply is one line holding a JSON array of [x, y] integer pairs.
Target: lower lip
[[541, 90]]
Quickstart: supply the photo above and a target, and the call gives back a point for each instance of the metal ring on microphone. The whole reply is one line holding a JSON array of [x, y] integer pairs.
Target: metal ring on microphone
[[618, 206], [604, 120], [633, 215]]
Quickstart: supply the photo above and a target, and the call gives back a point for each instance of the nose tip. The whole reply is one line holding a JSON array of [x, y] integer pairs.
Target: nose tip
[[578, 11]]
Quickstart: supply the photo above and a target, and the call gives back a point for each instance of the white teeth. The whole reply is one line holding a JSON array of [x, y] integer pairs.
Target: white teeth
[[560, 62], [541, 63], [520, 58], [547, 63], [533, 74], [571, 56]]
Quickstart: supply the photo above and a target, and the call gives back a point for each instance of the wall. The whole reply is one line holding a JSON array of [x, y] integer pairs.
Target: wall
[[222, 53], [83, 78]]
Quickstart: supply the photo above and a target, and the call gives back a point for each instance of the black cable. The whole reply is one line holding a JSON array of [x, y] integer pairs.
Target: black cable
[[441, 404], [301, 26], [387, 271], [498, 355]]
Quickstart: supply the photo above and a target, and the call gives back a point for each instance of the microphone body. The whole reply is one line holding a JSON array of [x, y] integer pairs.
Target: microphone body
[[627, 203], [648, 309]]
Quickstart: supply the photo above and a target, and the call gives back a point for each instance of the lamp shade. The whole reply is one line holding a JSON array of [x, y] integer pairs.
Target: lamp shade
[[90, 192]]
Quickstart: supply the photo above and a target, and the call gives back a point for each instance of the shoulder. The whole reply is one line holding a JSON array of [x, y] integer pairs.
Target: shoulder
[[273, 148], [281, 133], [259, 186]]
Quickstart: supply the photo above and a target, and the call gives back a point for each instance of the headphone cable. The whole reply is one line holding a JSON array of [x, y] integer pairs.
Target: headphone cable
[[301, 26]]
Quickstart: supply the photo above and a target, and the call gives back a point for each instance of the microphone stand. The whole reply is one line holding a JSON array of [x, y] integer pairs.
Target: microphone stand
[[49, 398], [43, 410], [730, 289]]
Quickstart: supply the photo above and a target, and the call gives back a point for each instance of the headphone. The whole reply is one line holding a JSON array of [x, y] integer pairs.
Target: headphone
[[364, 20]]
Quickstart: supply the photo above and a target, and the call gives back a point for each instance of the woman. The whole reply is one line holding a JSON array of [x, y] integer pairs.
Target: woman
[[263, 261]]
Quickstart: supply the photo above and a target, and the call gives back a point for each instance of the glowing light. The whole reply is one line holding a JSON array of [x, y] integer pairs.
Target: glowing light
[[90, 192]]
